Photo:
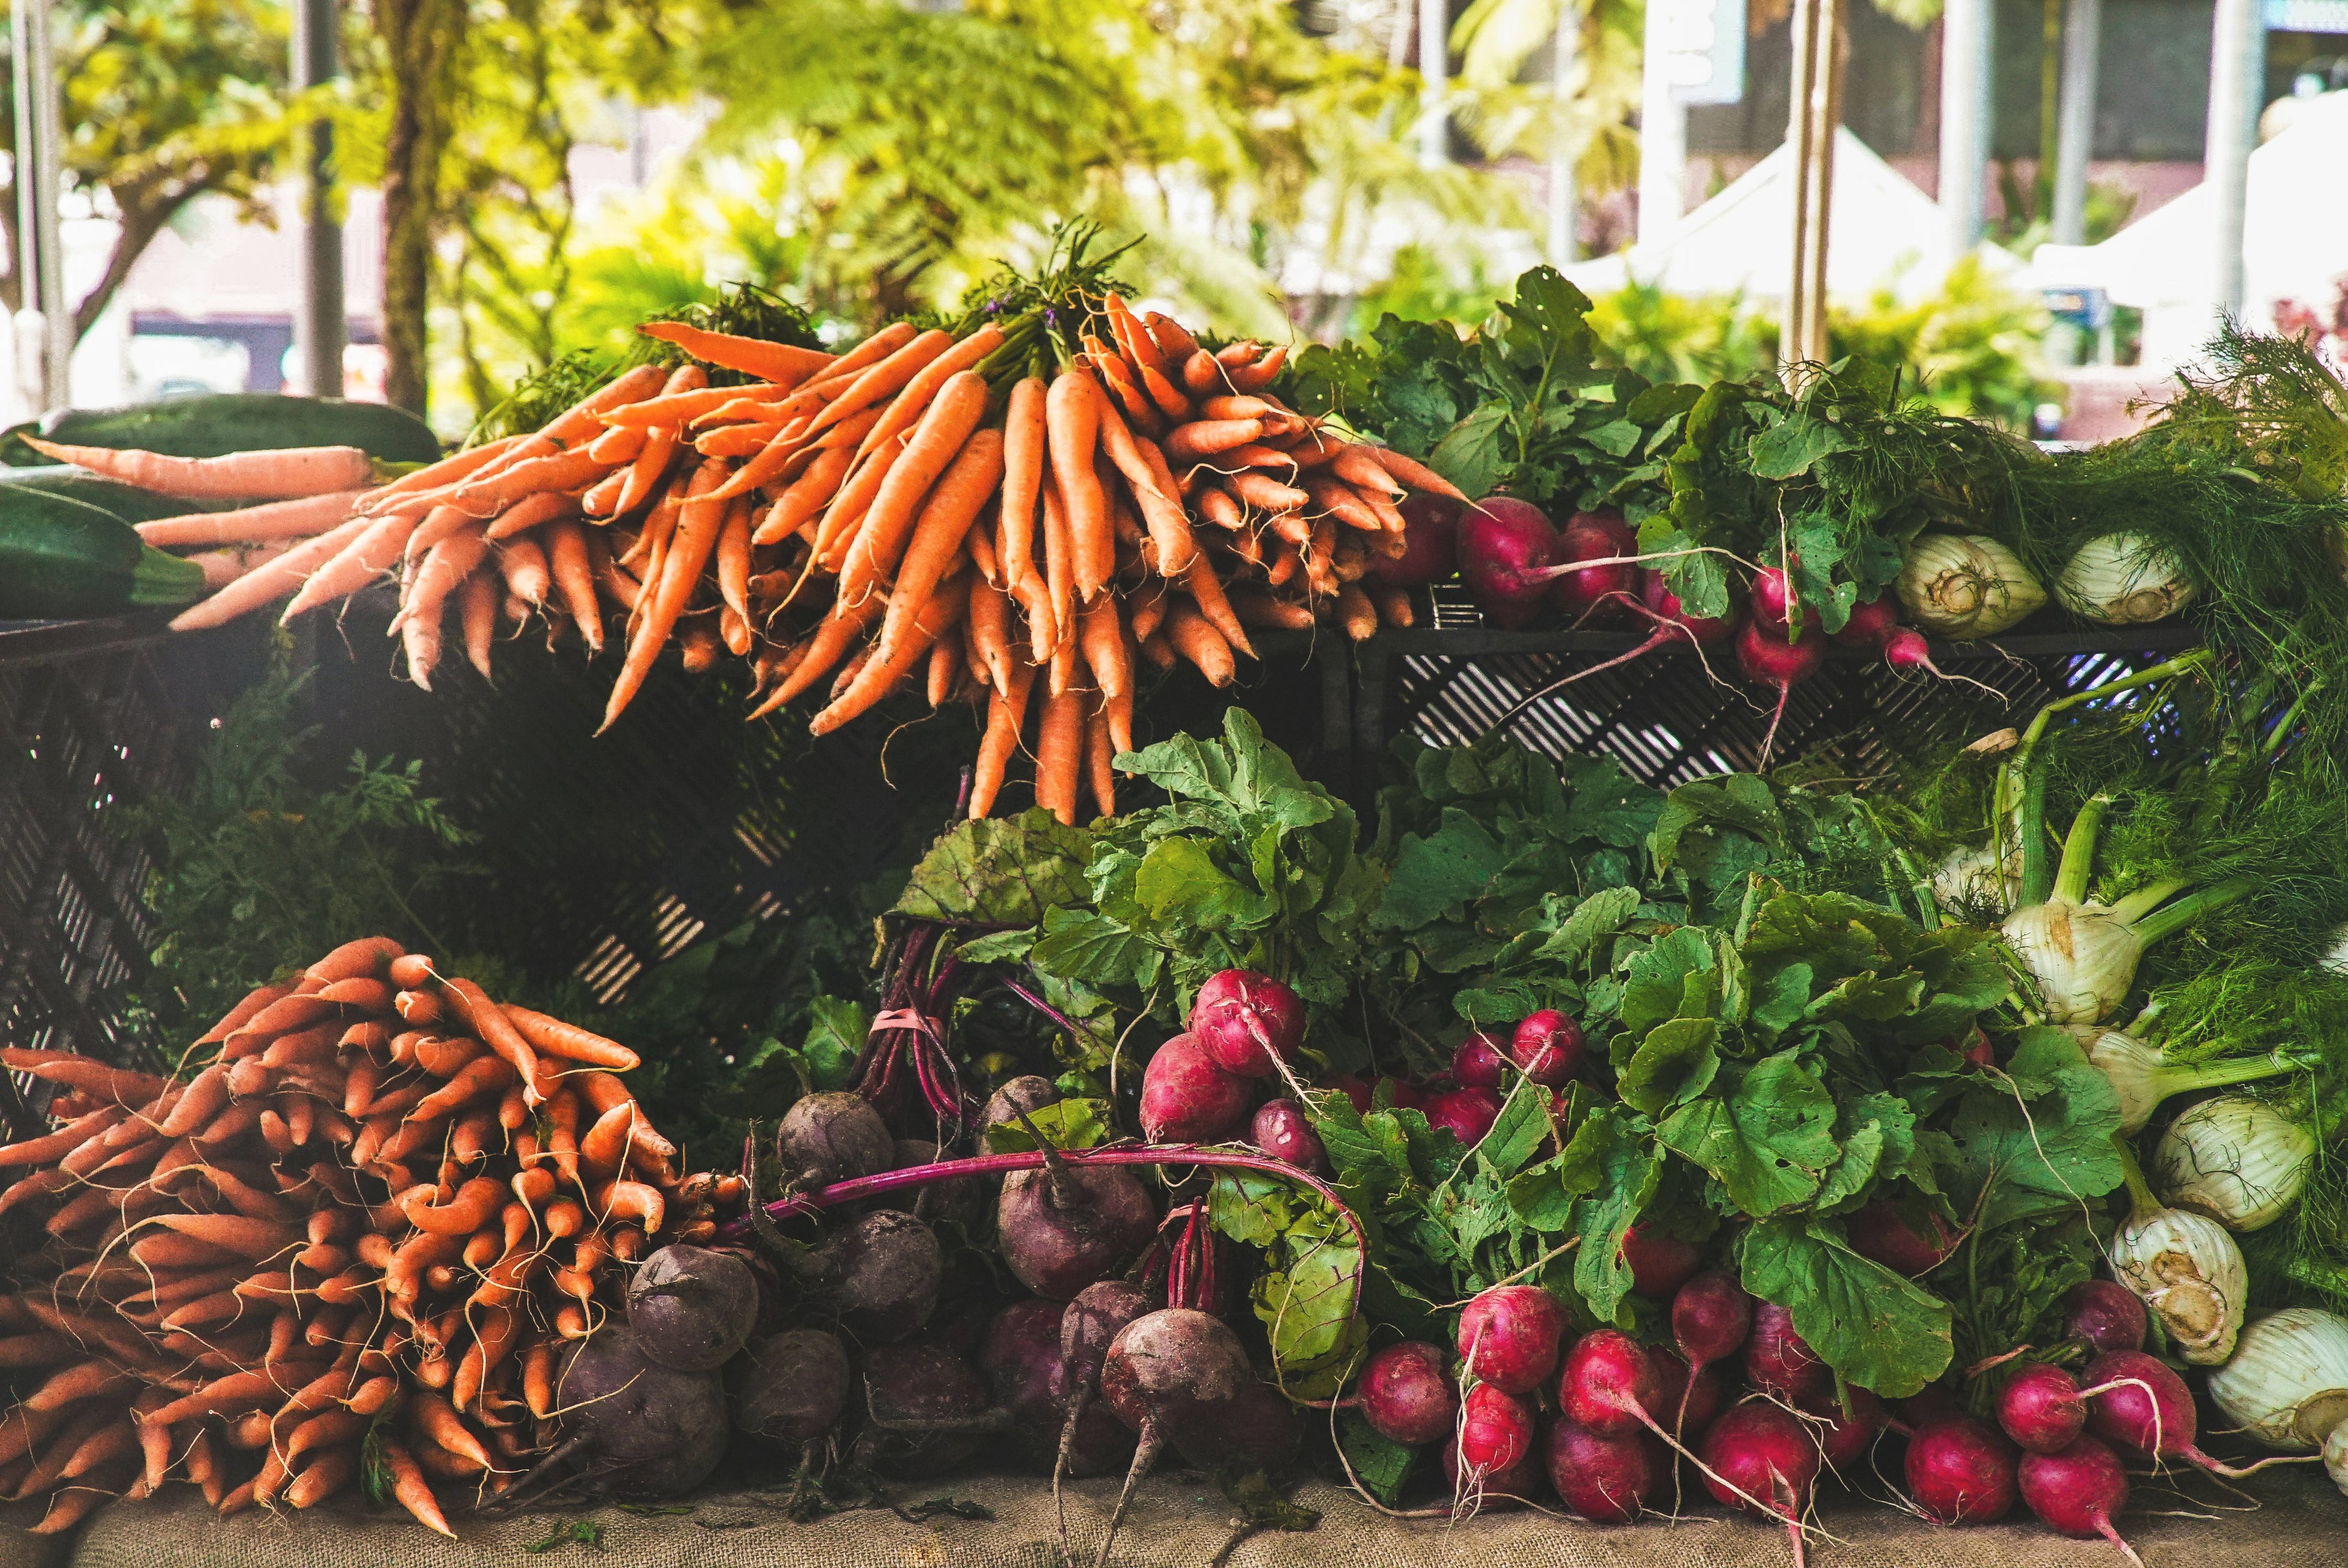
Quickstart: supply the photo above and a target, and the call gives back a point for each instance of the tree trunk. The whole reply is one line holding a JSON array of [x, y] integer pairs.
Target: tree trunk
[[421, 38], [141, 221]]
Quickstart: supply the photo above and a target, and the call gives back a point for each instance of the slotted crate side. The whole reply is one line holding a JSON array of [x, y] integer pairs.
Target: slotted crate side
[[681, 821], [86, 736]]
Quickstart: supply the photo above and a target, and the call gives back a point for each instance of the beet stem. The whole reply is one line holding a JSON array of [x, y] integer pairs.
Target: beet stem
[[1078, 1403], [861, 1187]]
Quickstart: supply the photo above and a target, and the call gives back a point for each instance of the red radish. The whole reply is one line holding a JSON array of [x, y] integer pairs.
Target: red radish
[[1696, 1395], [1869, 624], [1285, 1132], [1186, 1099], [1844, 1439], [1429, 543], [1399, 1095], [1978, 1051], [1247, 1022], [1609, 1384], [1491, 1488], [2077, 1491], [2139, 1403], [1547, 1048], [1404, 1095], [1407, 1395], [2041, 1409], [1660, 1264], [1960, 1471], [1880, 1233], [1773, 597], [1594, 537], [1505, 545], [1776, 1358], [2107, 1315], [1468, 1113], [1711, 1318], [1920, 1409], [1769, 660], [1479, 1063], [1904, 648], [1496, 1430], [1510, 1337], [1760, 1460], [1605, 1478]]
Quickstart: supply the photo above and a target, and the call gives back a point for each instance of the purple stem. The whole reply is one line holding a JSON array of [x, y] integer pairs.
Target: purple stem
[[1041, 1006], [863, 1187]]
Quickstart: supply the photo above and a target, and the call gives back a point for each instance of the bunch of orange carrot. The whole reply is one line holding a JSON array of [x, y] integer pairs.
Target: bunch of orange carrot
[[1017, 514], [381, 1208]]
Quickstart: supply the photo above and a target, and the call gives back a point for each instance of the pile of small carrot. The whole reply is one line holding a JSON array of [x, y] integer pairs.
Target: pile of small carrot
[[356, 1235]]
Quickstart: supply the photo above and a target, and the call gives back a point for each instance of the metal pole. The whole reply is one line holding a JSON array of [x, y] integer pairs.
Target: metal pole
[[1662, 135], [2236, 60], [1564, 189], [45, 326], [318, 321], [2075, 132], [1793, 335], [1434, 71], [1965, 44]]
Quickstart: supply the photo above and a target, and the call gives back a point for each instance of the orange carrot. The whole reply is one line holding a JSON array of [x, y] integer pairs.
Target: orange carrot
[[815, 484], [297, 519], [1100, 636], [616, 443], [1120, 723], [1260, 374], [270, 580], [522, 564], [444, 567], [1059, 747], [937, 542], [833, 637], [553, 1036], [774, 362], [629, 1201], [936, 442], [880, 676], [946, 663], [1415, 474], [265, 475], [888, 376], [677, 406], [1023, 478], [1194, 639], [1059, 576], [572, 469], [1071, 414], [438, 476], [696, 536], [1161, 507], [574, 579], [531, 511], [494, 1030], [734, 558], [1215, 605], [1173, 339], [844, 517], [477, 1202], [1098, 752], [409, 1487], [1007, 713], [989, 635], [904, 411], [1205, 438]]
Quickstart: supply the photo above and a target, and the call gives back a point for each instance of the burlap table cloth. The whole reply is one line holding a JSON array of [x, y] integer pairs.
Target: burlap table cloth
[[1181, 1523], [20, 1549]]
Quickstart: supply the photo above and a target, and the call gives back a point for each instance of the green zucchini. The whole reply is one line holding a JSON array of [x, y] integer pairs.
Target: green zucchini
[[128, 502], [62, 558], [215, 424]]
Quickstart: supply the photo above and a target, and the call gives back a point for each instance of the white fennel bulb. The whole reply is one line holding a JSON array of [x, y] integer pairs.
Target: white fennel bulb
[[1973, 876], [2287, 1382], [2240, 1162], [2335, 1456], [2142, 1077], [1965, 585], [2186, 1269], [2083, 956], [2123, 580]]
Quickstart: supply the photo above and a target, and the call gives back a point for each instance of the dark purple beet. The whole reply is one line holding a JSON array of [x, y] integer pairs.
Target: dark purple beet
[[1019, 1356], [790, 1388], [963, 1200], [913, 1384], [1060, 1231], [2107, 1315], [692, 1307], [827, 1138], [890, 1270]]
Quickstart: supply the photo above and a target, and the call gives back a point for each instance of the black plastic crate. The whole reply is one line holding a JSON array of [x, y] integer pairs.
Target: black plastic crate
[[94, 720]]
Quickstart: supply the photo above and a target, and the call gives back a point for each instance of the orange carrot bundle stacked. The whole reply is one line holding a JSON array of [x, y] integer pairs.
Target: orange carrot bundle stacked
[[931, 507], [382, 1208]]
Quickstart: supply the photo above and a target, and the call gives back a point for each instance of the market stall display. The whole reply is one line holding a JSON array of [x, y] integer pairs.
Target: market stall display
[[1963, 1128]]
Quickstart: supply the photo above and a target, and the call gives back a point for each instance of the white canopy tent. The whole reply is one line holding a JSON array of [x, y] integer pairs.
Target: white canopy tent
[[1884, 233], [2295, 241]]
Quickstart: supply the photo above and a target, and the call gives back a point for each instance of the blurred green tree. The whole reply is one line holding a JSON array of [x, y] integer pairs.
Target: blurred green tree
[[164, 100]]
